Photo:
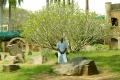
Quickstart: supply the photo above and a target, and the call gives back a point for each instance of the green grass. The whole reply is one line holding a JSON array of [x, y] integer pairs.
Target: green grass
[[107, 60], [25, 72]]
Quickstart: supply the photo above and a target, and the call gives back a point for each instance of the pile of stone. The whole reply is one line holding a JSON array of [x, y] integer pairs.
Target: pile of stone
[[16, 56]]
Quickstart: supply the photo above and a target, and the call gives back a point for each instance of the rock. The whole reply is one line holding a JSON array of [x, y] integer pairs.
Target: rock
[[11, 59], [20, 58], [76, 66], [14, 50], [29, 53], [2, 57], [10, 67], [40, 59]]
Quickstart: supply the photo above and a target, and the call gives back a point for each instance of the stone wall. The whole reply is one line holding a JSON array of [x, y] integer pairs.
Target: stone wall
[[115, 6]]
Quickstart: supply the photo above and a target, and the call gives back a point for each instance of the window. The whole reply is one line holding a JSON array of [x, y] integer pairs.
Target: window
[[114, 21], [114, 40]]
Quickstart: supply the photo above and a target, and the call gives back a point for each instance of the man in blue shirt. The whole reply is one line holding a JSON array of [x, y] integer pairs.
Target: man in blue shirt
[[61, 47]]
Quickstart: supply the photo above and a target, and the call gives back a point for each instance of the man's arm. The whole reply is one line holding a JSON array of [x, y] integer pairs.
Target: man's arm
[[58, 48], [60, 51], [64, 50]]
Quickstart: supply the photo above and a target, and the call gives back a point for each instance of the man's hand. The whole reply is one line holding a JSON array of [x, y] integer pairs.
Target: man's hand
[[61, 52]]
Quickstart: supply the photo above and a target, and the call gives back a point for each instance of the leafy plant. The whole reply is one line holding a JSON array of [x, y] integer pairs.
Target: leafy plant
[[47, 26]]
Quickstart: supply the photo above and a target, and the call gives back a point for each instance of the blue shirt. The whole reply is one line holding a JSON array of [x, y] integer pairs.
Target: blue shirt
[[61, 46]]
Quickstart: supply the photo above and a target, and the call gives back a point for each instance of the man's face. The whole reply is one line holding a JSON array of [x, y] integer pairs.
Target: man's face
[[61, 39]]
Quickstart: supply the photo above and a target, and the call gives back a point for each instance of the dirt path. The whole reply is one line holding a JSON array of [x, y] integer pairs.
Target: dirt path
[[102, 76]]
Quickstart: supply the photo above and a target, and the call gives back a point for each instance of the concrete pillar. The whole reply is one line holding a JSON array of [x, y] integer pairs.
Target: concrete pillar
[[27, 47], [87, 6], [4, 44], [118, 42], [108, 19], [108, 12]]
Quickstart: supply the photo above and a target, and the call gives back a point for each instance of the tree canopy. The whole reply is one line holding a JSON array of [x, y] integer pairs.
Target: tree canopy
[[18, 17], [47, 26]]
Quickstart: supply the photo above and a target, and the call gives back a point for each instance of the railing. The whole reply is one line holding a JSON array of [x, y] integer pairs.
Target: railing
[[115, 6]]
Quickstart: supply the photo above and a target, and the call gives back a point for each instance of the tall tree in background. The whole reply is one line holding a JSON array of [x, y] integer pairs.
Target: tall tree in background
[[19, 17], [1, 9], [12, 3], [51, 1], [47, 2], [55, 1], [72, 2], [87, 6], [59, 1], [63, 2], [68, 2], [78, 29], [2, 3]]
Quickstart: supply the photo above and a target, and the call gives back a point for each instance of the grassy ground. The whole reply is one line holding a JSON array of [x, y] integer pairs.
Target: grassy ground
[[107, 60]]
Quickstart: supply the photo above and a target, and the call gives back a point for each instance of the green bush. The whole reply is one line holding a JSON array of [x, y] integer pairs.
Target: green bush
[[47, 26], [101, 47]]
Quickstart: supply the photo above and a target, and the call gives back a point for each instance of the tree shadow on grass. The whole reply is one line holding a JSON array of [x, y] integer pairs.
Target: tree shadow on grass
[[111, 63], [29, 71]]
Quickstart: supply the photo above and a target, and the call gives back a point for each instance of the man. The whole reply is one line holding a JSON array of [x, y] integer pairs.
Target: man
[[61, 47]]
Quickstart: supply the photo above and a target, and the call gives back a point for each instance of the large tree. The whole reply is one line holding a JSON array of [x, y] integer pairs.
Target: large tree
[[1, 9], [12, 3], [47, 2], [2, 3], [47, 26], [59, 1], [18, 16]]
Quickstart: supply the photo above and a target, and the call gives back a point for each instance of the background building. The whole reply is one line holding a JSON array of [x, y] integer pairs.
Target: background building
[[112, 15]]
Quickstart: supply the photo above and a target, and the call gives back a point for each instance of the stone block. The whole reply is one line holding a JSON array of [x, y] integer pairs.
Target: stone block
[[10, 67]]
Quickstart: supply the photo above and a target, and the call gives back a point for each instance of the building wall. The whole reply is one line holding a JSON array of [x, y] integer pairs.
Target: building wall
[[116, 14], [113, 11]]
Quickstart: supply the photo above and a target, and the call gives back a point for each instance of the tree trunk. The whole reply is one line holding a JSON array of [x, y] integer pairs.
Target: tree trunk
[[63, 2], [10, 20], [51, 1], [72, 5], [55, 1], [47, 2], [1, 15], [59, 1], [68, 2], [72, 2], [87, 6]]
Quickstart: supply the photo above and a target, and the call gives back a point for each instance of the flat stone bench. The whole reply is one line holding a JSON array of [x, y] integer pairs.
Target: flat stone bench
[[10, 67]]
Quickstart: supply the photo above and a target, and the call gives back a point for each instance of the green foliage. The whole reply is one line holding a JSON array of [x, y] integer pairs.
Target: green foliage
[[100, 47], [26, 72], [47, 26], [13, 3], [104, 60], [18, 16]]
